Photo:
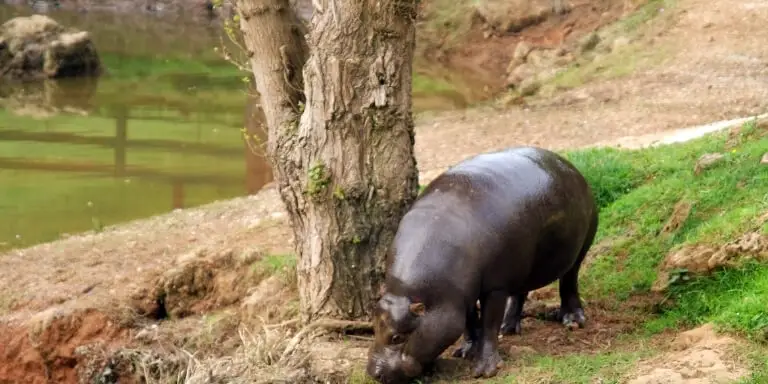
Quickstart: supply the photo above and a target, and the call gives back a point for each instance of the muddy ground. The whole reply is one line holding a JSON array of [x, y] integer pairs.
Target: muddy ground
[[86, 305]]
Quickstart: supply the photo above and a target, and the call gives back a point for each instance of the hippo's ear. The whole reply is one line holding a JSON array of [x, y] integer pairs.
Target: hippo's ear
[[417, 309]]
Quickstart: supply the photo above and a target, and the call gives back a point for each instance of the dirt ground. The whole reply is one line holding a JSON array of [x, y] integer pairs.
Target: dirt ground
[[108, 288]]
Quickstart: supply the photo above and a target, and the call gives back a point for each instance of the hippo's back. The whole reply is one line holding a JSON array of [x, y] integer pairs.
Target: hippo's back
[[511, 180]]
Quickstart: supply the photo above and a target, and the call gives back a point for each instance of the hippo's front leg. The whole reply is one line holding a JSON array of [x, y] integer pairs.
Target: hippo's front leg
[[488, 361]]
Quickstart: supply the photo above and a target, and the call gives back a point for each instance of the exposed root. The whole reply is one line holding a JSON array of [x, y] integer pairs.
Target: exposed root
[[274, 353], [327, 325]]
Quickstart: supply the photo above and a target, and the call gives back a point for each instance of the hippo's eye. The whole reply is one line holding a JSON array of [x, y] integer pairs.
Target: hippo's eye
[[397, 339]]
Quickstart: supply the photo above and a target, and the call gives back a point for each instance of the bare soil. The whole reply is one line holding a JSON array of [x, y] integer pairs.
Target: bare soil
[[70, 308]]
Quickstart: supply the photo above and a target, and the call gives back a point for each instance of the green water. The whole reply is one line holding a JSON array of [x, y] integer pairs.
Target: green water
[[162, 129]]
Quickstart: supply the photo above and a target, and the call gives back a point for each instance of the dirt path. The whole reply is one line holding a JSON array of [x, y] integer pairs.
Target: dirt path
[[718, 70]]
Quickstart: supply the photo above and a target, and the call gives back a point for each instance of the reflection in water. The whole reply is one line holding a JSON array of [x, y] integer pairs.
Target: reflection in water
[[161, 129], [150, 136], [48, 98]]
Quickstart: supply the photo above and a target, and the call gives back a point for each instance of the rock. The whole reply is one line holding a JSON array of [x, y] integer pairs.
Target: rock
[[764, 160], [706, 161], [509, 99], [679, 216], [590, 42], [522, 49], [702, 259], [37, 47], [520, 73], [541, 58], [512, 15], [561, 7], [529, 86], [619, 43]]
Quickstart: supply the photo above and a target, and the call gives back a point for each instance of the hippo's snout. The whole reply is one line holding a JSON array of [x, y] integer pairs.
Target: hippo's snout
[[388, 366]]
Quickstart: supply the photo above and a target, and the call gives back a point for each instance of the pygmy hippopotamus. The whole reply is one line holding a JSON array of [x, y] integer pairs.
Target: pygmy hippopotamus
[[493, 227]]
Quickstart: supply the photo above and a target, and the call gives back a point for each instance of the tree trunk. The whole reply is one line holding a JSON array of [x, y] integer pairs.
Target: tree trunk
[[345, 169]]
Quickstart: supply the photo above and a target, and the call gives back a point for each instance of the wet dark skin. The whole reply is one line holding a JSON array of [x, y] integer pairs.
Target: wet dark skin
[[490, 229]]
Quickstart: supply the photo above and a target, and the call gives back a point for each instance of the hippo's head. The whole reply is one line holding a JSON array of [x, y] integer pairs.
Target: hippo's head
[[391, 359]]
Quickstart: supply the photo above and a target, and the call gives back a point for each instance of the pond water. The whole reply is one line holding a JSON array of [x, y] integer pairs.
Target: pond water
[[162, 129]]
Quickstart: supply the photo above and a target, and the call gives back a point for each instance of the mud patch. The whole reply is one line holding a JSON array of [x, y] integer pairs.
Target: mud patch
[[605, 321], [698, 356]]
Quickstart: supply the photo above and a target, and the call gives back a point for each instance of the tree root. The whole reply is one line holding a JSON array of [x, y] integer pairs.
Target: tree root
[[327, 325]]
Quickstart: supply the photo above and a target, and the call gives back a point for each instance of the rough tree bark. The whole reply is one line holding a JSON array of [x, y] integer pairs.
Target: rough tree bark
[[340, 138]]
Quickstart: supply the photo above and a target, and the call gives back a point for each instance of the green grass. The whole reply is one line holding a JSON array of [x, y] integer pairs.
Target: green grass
[[757, 358], [607, 367], [272, 264], [281, 265], [637, 191], [733, 299]]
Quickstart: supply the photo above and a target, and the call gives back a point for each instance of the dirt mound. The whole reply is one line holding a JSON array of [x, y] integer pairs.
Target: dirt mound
[[199, 283], [37, 47], [49, 346], [698, 356], [82, 338]]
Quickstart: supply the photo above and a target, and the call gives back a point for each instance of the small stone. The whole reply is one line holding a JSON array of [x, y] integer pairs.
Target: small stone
[[619, 43], [522, 49], [764, 160], [519, 74], [706, 161], [540, 58], [529, 86]]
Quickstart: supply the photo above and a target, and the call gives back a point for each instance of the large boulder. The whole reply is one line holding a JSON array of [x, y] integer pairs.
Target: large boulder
[[37, 47], [516, 15]]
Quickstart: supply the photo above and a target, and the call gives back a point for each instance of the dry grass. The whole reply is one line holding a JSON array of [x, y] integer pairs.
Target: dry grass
[[263, 357]]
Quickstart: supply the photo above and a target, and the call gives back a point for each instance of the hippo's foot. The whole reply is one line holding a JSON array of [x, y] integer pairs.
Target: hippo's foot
[[512, 326], [487, 366], [467, 350], [570, 319], [574, 319]]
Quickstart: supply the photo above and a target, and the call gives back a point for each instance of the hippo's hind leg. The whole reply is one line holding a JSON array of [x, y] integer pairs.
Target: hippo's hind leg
[[571, 312], [471, 341], [513, 315], [488, 359]]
